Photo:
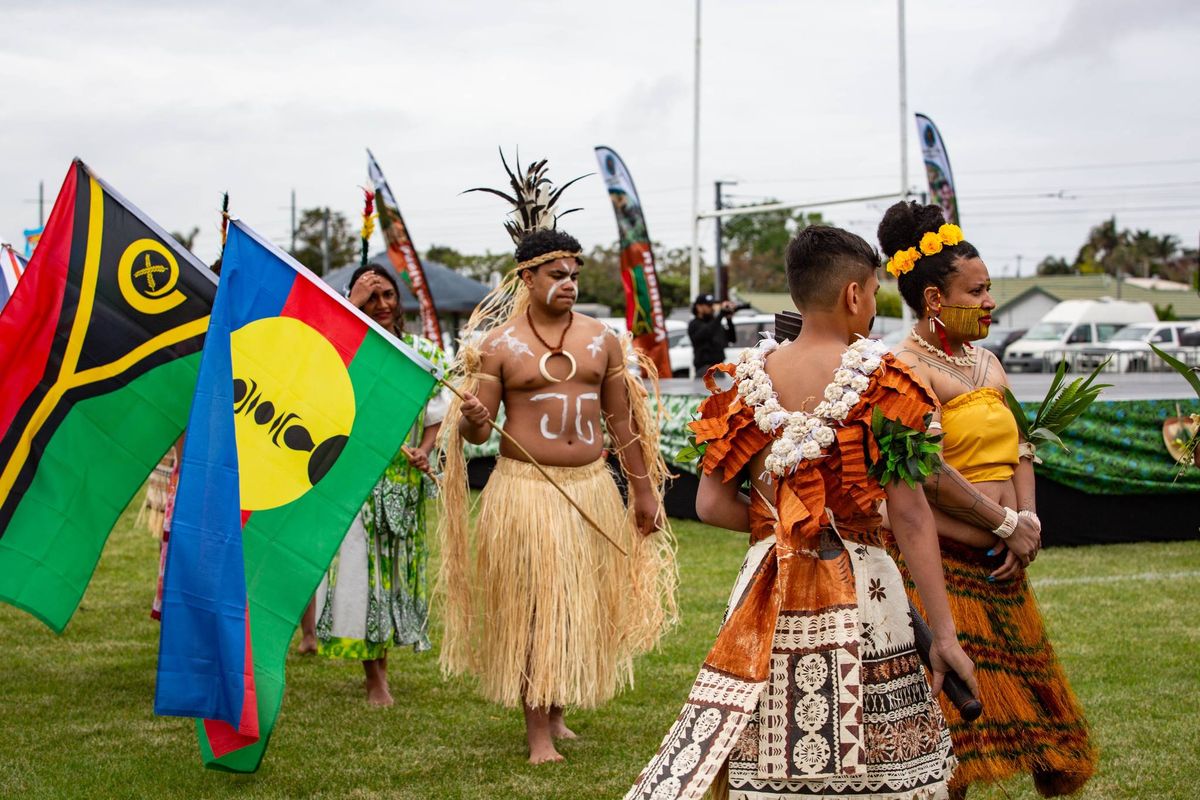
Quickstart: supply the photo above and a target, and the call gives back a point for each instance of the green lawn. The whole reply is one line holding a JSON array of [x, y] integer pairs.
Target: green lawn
[[76, 711]]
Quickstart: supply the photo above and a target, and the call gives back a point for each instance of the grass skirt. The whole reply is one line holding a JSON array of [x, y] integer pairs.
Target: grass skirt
[[1032, 722], [560, 613]]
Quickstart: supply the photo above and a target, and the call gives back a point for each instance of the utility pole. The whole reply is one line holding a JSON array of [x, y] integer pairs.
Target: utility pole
[[1019, 257], [720, 279], [325, 242], [904, 121], [41, 204], [293, 250], [694, 269]]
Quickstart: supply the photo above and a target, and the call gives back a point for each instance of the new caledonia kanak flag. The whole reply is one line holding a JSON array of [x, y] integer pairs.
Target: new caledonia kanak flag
[[99, 348], [301, 403]]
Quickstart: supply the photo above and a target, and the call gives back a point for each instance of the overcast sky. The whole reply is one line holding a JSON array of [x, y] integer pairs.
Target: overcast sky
[[1090, 101]]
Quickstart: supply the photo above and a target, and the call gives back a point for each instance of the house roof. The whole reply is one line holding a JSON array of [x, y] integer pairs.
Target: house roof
[[452, 292], [1007, 291]]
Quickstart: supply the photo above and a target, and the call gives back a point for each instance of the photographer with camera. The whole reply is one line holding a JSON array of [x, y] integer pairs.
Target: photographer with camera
[[711, 331]]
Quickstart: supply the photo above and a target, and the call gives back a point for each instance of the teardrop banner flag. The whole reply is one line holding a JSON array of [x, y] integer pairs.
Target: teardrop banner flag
[[937, 168], [99, 349], [402, 253], [300, 405], [643, 304]]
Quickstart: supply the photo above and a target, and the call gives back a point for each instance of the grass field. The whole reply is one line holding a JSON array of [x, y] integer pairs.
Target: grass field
[[76, 711]]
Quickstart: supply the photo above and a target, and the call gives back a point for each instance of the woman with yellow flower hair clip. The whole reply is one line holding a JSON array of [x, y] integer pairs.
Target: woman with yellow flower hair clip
[[985, 510]]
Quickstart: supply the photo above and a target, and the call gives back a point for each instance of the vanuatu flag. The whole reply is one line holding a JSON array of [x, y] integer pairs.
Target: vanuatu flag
[[301, 403], [99, 347]]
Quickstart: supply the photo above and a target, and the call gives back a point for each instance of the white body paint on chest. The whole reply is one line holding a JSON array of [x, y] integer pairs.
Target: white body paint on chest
[[562, 425], [515, 345], [596, 346], [590, 436]]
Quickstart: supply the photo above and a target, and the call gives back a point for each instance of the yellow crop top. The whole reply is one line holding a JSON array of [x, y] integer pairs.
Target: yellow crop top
[[981, 435]]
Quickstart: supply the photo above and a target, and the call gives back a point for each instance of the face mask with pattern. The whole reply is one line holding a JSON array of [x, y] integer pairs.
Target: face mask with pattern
[[965, 321]]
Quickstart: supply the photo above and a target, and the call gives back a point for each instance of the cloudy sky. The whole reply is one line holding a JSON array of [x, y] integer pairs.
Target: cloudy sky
[[1055, 114]]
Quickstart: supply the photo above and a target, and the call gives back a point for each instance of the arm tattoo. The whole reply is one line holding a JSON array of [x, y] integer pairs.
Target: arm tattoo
[[954, 494]]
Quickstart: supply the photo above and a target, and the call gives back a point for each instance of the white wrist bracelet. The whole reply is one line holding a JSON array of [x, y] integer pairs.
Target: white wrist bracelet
[[1029, 513], [1009, 525]]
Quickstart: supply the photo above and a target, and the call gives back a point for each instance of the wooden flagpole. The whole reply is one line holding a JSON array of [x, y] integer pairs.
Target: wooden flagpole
[[508, 438]]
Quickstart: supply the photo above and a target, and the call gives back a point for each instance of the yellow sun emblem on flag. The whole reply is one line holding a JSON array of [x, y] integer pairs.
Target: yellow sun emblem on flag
[[293, 409]]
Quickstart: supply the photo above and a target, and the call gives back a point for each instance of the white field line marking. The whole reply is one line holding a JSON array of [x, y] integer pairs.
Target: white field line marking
[[1140, 576]]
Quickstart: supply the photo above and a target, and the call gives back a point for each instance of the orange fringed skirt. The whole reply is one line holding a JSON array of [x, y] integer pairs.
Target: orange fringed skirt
[[1032, 722]]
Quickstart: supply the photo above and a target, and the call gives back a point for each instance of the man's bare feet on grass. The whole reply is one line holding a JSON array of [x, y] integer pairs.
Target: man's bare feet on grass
[[538, 735], [308, 645], [558, 726]]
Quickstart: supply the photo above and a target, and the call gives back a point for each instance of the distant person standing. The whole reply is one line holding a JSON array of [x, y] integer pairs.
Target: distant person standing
[[711, 331]]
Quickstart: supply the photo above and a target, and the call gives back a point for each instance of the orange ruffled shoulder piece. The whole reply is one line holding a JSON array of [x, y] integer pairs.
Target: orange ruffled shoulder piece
[[900, 396], [726, 426]]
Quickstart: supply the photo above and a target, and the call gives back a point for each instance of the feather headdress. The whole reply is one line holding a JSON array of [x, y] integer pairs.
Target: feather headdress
[[533, 199]]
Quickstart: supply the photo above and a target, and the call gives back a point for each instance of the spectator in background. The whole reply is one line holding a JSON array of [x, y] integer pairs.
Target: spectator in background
[[711, 331]]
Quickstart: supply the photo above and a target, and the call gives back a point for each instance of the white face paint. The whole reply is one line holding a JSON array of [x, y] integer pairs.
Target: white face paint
[[590, 436], [558, 284], [514, 345], [596, 347], [562, 425]]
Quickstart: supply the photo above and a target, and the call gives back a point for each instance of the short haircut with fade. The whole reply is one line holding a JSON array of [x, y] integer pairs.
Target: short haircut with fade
[[821, 260]]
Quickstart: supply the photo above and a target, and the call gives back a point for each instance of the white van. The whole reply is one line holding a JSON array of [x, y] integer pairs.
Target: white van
[[1072, 326], [1129, 350]]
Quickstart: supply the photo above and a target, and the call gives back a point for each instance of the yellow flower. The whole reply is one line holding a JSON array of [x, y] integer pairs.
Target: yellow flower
[[931, 244], [903, 261], [950, 234]]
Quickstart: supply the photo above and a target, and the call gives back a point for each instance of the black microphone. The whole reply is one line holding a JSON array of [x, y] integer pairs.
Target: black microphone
[[969, 706]]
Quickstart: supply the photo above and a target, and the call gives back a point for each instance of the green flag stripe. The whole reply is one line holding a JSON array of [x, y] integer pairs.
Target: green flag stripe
[[288, 549], [97, 459]]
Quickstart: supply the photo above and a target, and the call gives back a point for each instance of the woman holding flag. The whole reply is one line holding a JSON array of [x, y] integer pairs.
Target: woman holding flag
[[375, 593]]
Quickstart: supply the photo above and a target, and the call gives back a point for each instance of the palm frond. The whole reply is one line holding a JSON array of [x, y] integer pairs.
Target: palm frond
[[1061, 406]]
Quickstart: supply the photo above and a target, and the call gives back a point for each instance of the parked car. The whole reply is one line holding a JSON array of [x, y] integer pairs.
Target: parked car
[[1129, 348], [998, 339], [748, 329], [1070, 327]]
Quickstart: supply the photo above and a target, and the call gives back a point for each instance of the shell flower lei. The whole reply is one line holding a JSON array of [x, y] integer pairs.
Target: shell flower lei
[[931, 244], [805, 435]]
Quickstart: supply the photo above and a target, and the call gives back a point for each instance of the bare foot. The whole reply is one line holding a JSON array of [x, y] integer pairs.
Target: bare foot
[[377, 685], [380, 696], [545, 754], [308, 645], [537, 734], [558, 726]]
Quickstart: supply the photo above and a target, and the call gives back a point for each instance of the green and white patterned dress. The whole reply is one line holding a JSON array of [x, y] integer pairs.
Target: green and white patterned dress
[[376, 592]]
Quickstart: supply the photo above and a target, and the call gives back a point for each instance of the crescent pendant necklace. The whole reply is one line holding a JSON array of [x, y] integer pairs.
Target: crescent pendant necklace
[[553, 351]]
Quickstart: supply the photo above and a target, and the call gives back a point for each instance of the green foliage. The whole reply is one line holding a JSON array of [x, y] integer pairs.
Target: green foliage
[[888, 304], [1059, 408], [1054, 265], [1165, 313], [344, 242], [691, 451], [188, 240], [1190, 374], [905, 453], [755, 244], [1120, 251], [476, 267]]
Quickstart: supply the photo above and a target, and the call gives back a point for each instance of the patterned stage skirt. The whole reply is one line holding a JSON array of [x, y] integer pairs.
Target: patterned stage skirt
[[1032, 722]]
